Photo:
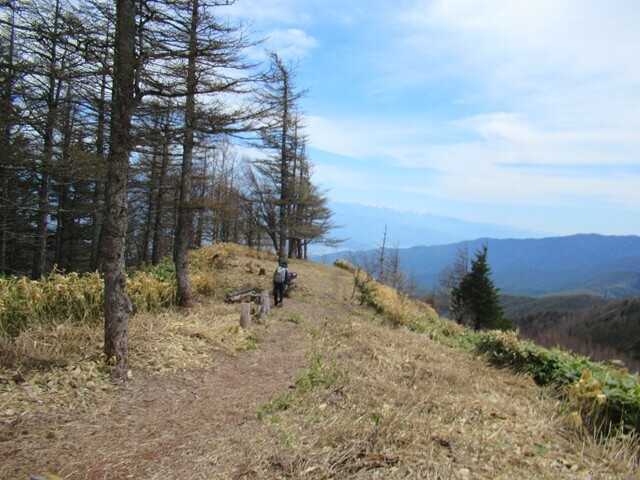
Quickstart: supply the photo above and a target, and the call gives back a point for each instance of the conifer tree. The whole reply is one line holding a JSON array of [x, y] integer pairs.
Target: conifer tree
[[476, 298]]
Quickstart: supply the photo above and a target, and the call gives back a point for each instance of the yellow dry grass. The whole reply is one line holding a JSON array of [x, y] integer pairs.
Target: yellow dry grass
[[58, 365], [174, 341], [407, 407]]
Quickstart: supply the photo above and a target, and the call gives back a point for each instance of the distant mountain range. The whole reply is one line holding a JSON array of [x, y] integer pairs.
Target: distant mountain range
[[362, 227], [607, 266]]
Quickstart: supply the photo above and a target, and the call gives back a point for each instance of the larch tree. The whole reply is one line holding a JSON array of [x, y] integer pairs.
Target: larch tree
[[273, 180], [309, 217], [197, 60], [9, 123], [48, 63], [117, 304], [97, 19]]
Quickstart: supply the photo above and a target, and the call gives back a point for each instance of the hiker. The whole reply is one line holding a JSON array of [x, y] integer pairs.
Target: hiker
[[279, 278]]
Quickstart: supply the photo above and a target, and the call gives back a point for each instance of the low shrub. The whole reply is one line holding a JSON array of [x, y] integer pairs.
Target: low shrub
[[59, 298], [149, 293], [341, 263], [602, 394], [54, 298], [73, 297]]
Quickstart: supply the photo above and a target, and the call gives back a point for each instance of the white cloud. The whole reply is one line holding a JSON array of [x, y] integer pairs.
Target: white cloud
[[565, 37], [512, 102], [274, 11], [365, 136], [290, 44]]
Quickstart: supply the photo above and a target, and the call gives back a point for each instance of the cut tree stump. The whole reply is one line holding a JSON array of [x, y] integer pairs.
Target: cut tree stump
[[265, 306], [247, 298], [245, 315]]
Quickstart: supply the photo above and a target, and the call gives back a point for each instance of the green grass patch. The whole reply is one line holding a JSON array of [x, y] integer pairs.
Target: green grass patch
[[280, 403], [319, 375]]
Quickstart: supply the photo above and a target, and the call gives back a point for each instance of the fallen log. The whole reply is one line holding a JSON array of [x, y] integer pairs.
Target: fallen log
[[243, 295]]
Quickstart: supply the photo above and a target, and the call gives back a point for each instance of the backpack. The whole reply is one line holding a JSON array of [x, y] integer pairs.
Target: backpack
[[279, 275]]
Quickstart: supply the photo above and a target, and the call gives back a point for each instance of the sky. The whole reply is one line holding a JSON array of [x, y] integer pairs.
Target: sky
[[523, 113]]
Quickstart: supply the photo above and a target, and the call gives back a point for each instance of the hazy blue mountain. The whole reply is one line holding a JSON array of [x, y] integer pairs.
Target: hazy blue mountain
[[363, 227], [601, 265]]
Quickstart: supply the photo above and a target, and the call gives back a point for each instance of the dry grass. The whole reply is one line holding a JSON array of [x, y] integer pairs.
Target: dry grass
[[410, 408], [174, 341], [56, 362], [209, 400]]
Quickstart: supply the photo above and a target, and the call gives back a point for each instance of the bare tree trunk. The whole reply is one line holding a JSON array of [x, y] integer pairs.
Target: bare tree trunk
[[6, 142], [65, 220], [157, 251], [284, 178], [117, 305], [381, 266], [221, 198], [201, 213], [151, 203], [185, 213], [98, 193], [52, 98], [42, 221], [4, 216]]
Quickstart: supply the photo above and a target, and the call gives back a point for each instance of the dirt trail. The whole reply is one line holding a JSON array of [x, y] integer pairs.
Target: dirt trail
[[190, 424]]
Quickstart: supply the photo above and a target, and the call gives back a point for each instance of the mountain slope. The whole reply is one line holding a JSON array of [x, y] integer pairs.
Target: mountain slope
[[602, 265], [327, 389], [602, 329]]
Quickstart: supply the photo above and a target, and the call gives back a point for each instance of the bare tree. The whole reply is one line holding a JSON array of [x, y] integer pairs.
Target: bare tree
[[279, 135], [197, 60], [45, 187], [450, 278], [291, 210], [48, 64], [117, 303], [185, 213], [8, 123], [97, 18]]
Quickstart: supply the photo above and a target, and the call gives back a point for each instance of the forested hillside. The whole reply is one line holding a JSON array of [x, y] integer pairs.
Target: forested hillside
[[592, 326]]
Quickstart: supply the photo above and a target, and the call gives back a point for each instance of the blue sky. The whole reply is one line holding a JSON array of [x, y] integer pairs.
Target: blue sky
[[514, 112]]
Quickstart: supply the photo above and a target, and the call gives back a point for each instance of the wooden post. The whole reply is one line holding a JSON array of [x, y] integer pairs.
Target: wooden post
[[265, 306], [245, 315]]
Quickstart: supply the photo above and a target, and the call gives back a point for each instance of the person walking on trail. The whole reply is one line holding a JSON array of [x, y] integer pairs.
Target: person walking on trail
[[279, 279]]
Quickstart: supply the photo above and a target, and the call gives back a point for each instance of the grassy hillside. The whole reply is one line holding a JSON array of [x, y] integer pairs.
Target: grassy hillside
[[326, 389]]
